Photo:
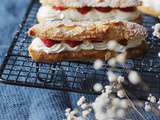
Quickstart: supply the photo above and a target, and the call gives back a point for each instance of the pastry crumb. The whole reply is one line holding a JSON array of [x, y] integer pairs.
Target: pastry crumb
[[156, 30]]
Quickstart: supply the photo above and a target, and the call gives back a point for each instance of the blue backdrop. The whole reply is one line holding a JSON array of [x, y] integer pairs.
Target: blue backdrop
[[19, 103]]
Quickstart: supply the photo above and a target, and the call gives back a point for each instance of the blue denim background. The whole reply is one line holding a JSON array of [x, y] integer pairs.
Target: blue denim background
[[11, 12], [19, 103]]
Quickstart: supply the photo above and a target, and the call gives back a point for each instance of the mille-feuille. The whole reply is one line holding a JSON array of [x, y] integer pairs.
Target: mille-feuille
[[63, 40], [89, 10]]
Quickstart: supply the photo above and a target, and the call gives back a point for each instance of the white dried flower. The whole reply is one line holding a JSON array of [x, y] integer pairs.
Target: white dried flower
[[153, 99], [159, 54], [112, 45], [85, 113], [108, 107], [111, 114], [150, 95], [111, 76], [120, 79], [103, 91], [99, 104], [149, 98], [66, 114], [147, 107], [120, 113], [68, 110], [146, 103], [116, 101], [156, 30], [69, 117], [158, 107], [124, 103], [98, 64], [121, 58], [158, 101], [98, 87], [134, 77], [80, 118], [81, 101], [108, 89], [74, 112], [84, 106], [112, 62], [120, 93]]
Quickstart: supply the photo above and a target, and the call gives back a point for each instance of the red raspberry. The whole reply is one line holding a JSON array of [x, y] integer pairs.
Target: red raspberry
[[84, 10], [61, 8], [104, 9], [73, 43], [49, 43]]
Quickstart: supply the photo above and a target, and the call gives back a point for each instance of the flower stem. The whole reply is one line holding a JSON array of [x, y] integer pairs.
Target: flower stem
[[133, 105]]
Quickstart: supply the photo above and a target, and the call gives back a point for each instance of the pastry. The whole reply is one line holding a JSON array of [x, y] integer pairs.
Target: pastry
[[63, 40], [84, 10]]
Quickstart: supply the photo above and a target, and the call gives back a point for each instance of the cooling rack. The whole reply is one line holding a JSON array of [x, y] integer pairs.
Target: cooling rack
[[19, 69]]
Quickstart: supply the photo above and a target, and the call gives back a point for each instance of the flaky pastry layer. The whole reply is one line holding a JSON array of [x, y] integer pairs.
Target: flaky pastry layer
[[82, 31]]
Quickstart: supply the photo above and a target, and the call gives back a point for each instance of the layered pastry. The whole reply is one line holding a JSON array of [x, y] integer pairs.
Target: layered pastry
[[151, 7], [92, 10], [63, 40]]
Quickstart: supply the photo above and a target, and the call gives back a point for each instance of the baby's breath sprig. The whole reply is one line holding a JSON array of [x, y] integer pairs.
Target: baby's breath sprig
[[152, 105], [156, 30], [114, 100]]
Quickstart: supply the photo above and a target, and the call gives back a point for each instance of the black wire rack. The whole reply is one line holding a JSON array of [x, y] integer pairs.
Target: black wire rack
[[19, 69]]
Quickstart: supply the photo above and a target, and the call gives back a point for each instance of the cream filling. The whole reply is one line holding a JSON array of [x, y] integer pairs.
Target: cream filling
[[49, 14], [152, 3], [38, 45], [91, 3]]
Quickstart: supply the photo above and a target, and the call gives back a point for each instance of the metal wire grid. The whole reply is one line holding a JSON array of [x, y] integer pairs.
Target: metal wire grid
[[19, 69]]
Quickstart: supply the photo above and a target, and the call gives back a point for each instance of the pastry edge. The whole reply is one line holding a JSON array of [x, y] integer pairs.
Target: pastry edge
[[104, 30]]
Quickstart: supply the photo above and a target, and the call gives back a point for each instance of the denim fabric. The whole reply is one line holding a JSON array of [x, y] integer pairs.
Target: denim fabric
[[19, 103]]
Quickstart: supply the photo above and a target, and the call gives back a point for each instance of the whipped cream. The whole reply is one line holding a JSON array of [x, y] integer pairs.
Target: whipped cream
[[49, 14], [152, 3], [91, 3], [38, 45]]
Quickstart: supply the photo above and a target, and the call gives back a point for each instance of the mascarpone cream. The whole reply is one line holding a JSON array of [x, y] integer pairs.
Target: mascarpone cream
[[48, 14], [38, 45]]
